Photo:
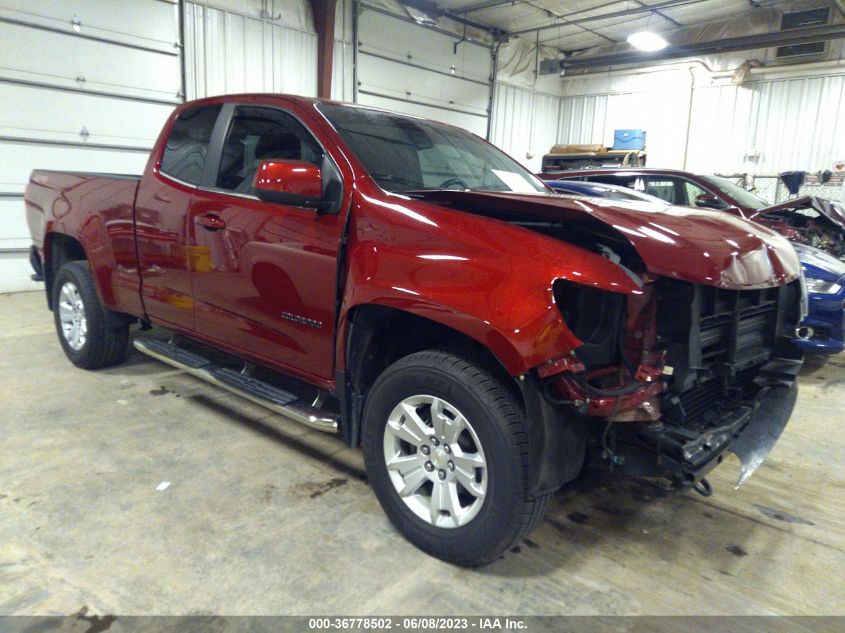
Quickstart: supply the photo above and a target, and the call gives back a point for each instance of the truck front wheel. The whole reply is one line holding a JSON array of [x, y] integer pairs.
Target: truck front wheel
[[447, 454], [87, 337]]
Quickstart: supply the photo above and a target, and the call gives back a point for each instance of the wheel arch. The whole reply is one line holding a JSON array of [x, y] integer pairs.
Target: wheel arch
[[59, 249], [557, 442], [377, 335]]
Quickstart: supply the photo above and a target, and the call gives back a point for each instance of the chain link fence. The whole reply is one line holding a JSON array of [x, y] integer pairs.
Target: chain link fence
[[772, 189]]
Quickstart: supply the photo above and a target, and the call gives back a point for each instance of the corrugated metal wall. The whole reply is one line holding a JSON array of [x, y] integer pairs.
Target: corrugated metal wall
[[227, 52], [707, 124], [342, 75], [793, 123], [658, 103], [525, 123], [583, 119]]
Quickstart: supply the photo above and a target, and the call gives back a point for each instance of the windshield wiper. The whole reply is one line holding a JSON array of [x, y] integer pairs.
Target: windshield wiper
[[397, 180]]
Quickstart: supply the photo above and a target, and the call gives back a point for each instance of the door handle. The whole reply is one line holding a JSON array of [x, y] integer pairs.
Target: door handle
[[211, 222]]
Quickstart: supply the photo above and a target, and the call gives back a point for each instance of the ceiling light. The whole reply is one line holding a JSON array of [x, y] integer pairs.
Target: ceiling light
[[647, 41]]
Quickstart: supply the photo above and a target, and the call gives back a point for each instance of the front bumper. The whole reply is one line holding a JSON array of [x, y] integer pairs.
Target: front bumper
[[748, 429]]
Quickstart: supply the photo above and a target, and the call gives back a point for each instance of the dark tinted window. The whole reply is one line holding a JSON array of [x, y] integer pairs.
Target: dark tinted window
[[187, 146], [258, 134]]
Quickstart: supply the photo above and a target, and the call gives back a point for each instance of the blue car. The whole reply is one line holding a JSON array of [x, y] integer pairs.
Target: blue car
[[823, 331]]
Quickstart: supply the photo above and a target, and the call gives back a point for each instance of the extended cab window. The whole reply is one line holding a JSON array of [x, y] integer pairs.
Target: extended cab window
[[187, 146], [258, 134]]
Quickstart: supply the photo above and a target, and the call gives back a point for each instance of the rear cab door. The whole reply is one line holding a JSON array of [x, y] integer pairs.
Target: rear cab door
[[265, 274], [163, 238]]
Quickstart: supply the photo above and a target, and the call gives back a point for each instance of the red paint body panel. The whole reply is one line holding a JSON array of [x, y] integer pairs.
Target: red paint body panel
[[833, 211], [260, 279], [288, 176], [272, 263], [98, 213], [164, 249], [696, 246], [470, 273]]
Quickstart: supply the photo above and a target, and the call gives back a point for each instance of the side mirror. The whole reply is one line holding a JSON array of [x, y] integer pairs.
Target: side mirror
[[709, 201], [292, 182]]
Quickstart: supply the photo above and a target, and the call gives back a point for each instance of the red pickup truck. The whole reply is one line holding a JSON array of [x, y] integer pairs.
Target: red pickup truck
[[408, 285]]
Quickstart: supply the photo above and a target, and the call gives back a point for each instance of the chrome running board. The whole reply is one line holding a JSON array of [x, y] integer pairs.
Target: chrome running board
[[241, 384]]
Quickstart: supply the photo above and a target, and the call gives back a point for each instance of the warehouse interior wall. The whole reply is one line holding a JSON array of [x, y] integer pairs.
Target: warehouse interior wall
[[85, 85], [250, 46], [406, 64], [702, 121], [526, 105], [695, 118], [101, 106], [342, 74]]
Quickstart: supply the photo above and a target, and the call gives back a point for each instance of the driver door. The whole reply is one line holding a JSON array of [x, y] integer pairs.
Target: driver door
[[265, 274]]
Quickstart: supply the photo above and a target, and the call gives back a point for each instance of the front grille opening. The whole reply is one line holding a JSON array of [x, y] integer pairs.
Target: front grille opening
[[701, 405], [716, 340], [737, 327]]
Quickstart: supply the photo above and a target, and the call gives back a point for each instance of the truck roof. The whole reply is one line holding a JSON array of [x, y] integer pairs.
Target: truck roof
[[260, 97]]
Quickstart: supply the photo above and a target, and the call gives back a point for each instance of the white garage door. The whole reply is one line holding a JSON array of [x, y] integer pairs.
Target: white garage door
[[410, 68], [84, 85]]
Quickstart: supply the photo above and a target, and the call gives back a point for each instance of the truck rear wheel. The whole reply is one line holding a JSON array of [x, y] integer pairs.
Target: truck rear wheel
[[86, 335], [447, 455]]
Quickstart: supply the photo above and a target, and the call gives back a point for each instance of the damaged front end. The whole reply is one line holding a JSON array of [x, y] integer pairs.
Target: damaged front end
[[682, 355], [673, 378], [808, 220]]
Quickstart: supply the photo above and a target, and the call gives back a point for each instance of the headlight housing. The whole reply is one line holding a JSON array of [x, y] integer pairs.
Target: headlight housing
[[822, 286]]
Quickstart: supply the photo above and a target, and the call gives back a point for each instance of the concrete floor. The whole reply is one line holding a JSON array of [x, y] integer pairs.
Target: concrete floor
[[264, 517]]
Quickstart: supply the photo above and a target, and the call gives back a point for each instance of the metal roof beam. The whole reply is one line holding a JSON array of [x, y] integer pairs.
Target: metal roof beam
[[662, 15], [490, 4], [432, 9], [606, 16], [743, 43]]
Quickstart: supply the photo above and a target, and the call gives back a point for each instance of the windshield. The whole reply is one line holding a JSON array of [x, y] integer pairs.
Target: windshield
[[405, 154], [744, 197]]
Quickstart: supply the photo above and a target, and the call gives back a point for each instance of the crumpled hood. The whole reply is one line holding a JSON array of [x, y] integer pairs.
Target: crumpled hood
[[833, 211], [702, 247]]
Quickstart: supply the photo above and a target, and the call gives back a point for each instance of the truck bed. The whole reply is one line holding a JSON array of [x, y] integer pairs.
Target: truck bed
[[97, 211]]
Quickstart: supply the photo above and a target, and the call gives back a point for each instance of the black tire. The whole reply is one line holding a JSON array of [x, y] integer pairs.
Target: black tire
[[106, 335], [507, 513]]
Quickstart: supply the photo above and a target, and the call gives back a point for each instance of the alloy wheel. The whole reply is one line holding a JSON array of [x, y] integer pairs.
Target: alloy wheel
[[72, 316], [435, 461]]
